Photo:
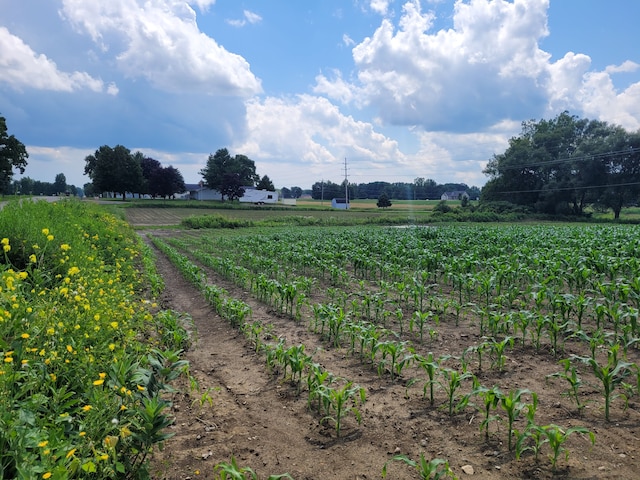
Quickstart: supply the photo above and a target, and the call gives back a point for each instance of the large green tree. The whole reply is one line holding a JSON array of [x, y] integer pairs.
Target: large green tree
[[562, 165], [13, 154], [265, 183], [114, 170], [229, 174]]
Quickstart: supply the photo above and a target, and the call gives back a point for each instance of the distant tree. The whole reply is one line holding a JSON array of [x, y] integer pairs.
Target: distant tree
[[13, 154], [229, 174], [89, 190], [114, 170], [168, 181], [383, 201], [232, 186], [326, 190], [296, 192], [265, 183], [150, 168], [60, 184], [285, 192], [562, 165]]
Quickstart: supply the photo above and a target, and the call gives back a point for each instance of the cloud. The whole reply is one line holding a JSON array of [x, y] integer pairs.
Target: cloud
[[160, 42], [379, 6], [249, 17], [486, 68], [23, 68], [312, 133]]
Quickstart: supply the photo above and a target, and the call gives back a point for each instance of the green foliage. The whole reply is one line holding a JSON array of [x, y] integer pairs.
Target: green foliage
[[232, 471], [435, 468], [383, 201], [229, 174], [80, 392], [13, 154], [114, 170], [562, 165]]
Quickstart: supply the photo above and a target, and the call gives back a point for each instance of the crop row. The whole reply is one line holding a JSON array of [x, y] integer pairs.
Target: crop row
[[366, 324]]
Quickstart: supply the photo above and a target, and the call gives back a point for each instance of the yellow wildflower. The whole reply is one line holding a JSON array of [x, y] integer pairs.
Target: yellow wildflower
[[46, 475], [98, 382], [71, 452], [43, 444], [86, 408], [33, 258], [25, 335], [6, 248], [5, 241], [65, 247], [45, 231]]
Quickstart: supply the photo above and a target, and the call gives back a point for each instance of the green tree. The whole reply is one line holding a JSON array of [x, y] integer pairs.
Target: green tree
[[383, 201], [13, 154], [150, 168], [168, 181], [296, 192], [562, 165], [114, 170], [265, 183], [60, 184], [229, 174]]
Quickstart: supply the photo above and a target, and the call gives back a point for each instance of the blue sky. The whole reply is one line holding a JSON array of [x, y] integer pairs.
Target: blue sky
[[401, 89]]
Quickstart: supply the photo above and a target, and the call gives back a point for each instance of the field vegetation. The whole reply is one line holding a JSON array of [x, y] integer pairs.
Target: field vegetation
[[446, 312], [521, 339]]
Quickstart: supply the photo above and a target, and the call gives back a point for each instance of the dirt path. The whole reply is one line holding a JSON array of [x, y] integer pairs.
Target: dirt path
[[257, 417]]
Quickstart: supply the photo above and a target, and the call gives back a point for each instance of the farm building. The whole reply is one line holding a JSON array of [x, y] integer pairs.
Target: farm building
[[341, 203], [253, 195], [454, 195]]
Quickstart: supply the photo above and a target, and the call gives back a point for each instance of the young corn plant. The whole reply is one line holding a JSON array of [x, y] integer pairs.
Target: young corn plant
[[556, 437], [611, 374], [232, 471], [341, 401], [513, 405], [570, 374], [491, 398], [497, 349], [427, 469], [451, 381], [431, 366]]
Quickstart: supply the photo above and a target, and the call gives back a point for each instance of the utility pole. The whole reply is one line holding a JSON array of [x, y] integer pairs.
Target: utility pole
[[346, 184]]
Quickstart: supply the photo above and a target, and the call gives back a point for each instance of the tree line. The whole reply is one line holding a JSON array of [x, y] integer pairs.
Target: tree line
[[29, 186], [420, 189], [566, 164], [117, 170]]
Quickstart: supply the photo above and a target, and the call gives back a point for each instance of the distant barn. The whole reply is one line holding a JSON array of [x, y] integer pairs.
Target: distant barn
[[454, 195], [341, 203]]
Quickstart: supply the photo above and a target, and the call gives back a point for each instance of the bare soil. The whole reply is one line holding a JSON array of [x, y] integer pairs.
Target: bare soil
[[257, 417]]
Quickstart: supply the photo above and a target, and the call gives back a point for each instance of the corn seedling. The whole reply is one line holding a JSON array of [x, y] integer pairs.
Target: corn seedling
[[611, 374], [575, 382], [513, 406], [451, 383], [338, 400], [232, 471], [491, 398], [557, 436], [434, 469]]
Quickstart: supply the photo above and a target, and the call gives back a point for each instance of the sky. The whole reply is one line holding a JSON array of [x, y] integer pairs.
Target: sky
[[314, 90]]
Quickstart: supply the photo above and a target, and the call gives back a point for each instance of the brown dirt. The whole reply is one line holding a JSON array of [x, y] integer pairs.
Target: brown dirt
[[258, 418]]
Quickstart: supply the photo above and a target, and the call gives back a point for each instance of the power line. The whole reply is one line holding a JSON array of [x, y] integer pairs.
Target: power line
[[580, 158]]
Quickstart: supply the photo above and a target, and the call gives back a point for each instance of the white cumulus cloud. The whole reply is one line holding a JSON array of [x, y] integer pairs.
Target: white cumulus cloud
[[313, 134], [23, 68], [160, 41]]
